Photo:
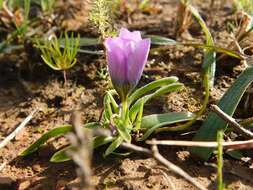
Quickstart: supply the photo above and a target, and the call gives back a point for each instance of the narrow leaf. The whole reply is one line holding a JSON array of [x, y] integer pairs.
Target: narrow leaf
[[159, 40], [151, 86], [153, 122], [50, 134], [123, 131], [84, 41], [210, 56], [163, 90], [101, 140], [61, 155], [113, 146]]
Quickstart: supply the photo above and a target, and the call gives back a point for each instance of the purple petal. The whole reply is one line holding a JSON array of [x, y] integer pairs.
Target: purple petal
[[137, 60], [126, 34], [116, 60]]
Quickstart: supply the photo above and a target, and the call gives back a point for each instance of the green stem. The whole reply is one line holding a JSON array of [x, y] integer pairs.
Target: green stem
[[124, 111], [220, 160]]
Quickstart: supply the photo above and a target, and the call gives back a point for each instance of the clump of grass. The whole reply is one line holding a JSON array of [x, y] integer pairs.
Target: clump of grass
[[102, 16], [60, 54]]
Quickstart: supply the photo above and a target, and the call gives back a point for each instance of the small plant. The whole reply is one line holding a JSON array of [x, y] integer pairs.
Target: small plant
[[126, 56], [57, 56], [21, 23], [102, 15]]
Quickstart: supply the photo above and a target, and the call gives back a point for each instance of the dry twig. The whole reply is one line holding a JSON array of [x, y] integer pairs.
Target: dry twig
[[236, 126], [17, 130], [227, 145], [82, 153]]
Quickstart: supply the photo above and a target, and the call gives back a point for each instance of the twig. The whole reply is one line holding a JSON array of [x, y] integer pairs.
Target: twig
[[154, 153], [237, 127], [17, 130], [227, 145], [82, 153], [172, 186], [174, 168]]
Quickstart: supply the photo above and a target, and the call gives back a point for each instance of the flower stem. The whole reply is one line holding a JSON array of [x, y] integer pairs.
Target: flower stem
[[64, 76], [124, 111], [220, 161]]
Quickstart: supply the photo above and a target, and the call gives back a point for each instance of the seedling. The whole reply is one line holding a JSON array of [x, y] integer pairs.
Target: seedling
[[57, 56]]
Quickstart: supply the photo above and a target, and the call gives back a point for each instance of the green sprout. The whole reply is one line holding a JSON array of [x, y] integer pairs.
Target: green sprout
[[60, 56], [102, 15]]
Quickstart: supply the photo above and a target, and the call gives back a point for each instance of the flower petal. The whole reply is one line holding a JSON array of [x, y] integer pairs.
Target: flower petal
[[126, 34], [116, 60], [137, 60]]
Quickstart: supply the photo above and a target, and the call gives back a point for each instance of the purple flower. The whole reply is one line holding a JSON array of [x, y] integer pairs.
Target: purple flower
[[126, 56]]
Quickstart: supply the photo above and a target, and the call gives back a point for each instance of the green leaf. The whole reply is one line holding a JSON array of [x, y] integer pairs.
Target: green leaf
[[107, 107], [151, 86], [123, 130], [102, 140], [236, 154], [228, 104], [163, 90], [84, 41], [155, 121], [50, 134], [93, 52], [210, 56], [113, 146], [150, 121], [228, 52], [159, 40], [61, 155], [139, 117], [62, 130]]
